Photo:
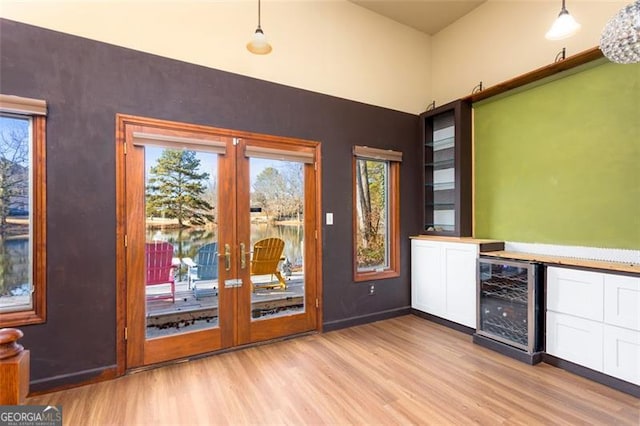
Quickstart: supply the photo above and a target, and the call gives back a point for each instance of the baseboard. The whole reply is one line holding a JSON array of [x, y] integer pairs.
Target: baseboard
[[72, 380], [365, 319], [454, 325], [596, 376], [510, 351]]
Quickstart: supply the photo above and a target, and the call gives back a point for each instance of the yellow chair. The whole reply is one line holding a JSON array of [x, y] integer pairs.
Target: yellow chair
[[267, 254]]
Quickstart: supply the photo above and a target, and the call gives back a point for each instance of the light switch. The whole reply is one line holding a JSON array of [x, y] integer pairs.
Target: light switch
[[329, 218]]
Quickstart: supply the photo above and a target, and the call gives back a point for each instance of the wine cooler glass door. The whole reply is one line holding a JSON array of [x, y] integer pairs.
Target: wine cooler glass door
[[504, 307]]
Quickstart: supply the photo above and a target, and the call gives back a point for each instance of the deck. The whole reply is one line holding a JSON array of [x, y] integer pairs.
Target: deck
[[197, 307]]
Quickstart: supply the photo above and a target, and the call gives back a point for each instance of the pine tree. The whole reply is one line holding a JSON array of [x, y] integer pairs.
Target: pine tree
[[176, 190]]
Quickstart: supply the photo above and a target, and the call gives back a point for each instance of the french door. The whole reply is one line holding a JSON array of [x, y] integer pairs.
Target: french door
[[219, 239]]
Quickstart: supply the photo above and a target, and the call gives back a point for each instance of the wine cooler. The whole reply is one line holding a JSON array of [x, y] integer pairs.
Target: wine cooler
[[510, 308]]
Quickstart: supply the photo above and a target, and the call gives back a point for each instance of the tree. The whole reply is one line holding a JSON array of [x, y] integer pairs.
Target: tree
[[176, 190], [294, 182], [269, 190], [280, 193], [14, 171]]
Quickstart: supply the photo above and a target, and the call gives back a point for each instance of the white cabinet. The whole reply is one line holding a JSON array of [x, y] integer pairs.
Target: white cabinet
[[575, 339], [593, 319], [443, 279], [575, 292], [460, 283], [622, 353], [426, 296], [622, 301]]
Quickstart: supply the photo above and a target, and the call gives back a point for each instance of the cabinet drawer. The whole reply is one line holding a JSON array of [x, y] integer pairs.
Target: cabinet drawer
[[622, 301], [575, 292], [622, 353], [575, 339]]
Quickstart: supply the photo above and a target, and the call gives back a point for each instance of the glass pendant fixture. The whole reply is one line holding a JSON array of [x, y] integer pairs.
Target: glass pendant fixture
[[259, 44], [564, 26], [620, 39]]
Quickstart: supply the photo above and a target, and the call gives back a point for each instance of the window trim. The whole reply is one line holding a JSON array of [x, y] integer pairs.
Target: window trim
[[393, 158], [37, 314]]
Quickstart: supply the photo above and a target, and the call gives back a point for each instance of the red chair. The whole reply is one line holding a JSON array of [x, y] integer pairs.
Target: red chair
[[160, 268]]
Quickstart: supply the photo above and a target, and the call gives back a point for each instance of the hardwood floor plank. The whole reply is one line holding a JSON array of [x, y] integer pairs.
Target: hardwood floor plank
[[405, 370]]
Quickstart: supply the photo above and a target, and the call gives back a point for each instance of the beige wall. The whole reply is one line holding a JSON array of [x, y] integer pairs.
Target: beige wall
[[332, 47], [500, 40]]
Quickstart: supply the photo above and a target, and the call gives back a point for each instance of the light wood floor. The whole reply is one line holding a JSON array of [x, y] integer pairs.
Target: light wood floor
[[401, 371]]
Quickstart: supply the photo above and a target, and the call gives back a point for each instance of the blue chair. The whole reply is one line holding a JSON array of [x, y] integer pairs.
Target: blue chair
[[203, 267]]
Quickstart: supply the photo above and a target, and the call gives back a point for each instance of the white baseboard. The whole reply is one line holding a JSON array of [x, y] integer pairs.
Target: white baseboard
[[576, 252]]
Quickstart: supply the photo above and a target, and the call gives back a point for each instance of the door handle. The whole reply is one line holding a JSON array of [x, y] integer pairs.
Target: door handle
[[243, 256], [227, 257]]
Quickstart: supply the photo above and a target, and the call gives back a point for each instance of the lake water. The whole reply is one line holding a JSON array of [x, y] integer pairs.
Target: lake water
[[14, 264]]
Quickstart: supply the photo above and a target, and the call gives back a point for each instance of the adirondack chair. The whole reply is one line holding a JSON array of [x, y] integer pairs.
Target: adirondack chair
[[267, 253], [160, 268], [204, 267]]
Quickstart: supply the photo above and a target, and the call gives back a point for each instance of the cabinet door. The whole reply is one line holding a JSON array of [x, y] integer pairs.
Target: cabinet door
[[622, 353], [427, 286], [575, 339], [575, 292], [622, 301], [460, 283]]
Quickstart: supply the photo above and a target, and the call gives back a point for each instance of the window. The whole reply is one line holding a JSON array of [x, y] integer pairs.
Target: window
[[22, 211], [376, 204]]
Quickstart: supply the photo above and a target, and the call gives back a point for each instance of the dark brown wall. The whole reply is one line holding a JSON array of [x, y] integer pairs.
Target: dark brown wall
[[85, 84]]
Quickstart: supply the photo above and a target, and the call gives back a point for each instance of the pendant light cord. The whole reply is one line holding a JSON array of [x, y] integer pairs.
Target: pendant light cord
[[564, 8]]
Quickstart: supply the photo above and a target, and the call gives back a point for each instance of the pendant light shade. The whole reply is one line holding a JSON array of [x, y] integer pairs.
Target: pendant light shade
[[620, 40], [564, 26], [259, 44]]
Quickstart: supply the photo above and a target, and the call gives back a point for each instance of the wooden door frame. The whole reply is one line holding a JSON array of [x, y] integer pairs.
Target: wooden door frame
[[124, 120]]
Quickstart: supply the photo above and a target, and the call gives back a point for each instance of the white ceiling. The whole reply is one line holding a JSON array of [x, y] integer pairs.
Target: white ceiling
[[428, 16]]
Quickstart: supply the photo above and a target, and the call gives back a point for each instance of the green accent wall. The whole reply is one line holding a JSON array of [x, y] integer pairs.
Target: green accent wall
[[559, 163]]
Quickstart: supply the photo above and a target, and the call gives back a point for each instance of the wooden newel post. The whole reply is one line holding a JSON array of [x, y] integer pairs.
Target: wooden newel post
[[14, 368]]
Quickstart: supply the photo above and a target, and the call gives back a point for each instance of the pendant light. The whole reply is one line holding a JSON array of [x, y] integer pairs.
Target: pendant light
[[564, 26], [620, 40], [259, 44]]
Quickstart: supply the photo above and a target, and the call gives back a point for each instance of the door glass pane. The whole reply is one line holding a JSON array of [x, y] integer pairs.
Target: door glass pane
[[181, 250], [277, 238]]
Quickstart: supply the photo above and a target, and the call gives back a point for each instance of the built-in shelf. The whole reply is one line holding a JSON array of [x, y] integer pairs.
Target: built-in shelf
[[448, 163], [446, 139]]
